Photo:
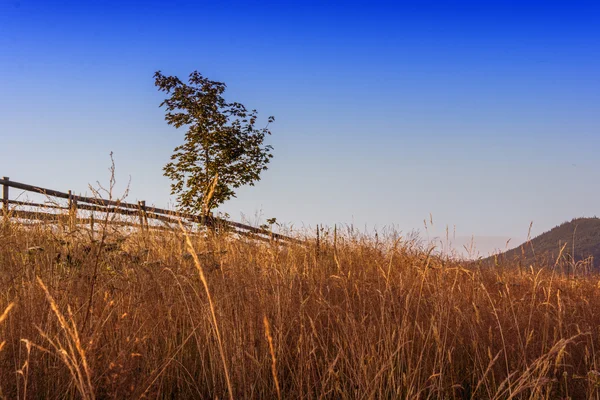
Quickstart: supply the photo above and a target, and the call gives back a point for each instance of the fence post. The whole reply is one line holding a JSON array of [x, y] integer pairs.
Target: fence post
[[92, 223], [5, 199], [70, 207], [72, 210], [143, 215]]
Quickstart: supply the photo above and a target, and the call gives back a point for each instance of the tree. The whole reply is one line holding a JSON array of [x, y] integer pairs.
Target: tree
[[222, 149]]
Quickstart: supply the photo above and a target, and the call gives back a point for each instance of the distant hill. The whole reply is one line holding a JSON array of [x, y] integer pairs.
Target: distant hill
[[582, 238]]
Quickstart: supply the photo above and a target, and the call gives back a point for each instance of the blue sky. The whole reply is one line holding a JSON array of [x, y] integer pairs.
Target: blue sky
[[483, 114]]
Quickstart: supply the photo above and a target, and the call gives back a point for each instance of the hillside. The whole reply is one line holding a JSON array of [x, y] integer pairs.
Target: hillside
[[582, 239], [156, 314]]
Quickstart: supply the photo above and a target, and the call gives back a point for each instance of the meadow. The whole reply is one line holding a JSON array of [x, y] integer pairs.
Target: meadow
[[160, 314]]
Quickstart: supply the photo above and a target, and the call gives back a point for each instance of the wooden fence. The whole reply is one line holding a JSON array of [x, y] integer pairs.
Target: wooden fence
[[140, 210]]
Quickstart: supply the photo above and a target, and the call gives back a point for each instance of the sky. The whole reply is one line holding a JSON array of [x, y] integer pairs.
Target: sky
[[479, 116]]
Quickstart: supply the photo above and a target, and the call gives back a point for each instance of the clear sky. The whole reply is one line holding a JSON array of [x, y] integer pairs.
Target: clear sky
[[485, 114]]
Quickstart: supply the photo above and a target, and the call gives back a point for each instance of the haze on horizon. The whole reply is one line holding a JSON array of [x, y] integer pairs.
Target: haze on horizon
[[482, 115]]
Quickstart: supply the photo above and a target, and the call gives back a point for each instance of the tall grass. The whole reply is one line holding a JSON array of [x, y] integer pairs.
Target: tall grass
[[219, 316]]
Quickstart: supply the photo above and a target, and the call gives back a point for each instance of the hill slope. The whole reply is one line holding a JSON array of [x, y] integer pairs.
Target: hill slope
[[582, 239]]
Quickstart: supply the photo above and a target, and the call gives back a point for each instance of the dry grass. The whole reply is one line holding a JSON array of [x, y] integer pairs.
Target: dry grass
[[363, 318]]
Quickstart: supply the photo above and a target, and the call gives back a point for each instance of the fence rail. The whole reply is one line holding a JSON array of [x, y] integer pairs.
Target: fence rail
[[95, 204]]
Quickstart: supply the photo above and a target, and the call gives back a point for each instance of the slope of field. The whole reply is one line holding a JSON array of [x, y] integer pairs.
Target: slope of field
[[579, 237], [131, 317]]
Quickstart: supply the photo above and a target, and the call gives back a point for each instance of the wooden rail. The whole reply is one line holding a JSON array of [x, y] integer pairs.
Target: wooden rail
[[94, 204]]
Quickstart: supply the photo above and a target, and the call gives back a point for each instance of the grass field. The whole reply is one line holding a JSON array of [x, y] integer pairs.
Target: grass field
[[140, 317]]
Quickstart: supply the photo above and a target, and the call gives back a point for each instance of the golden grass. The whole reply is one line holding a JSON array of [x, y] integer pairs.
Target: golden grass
[[177, 317]]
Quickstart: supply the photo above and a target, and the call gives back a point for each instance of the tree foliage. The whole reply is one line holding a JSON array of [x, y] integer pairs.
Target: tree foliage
[[223, 149]]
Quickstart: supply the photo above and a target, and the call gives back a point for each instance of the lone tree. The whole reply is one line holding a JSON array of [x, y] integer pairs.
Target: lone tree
[[222, 150]]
